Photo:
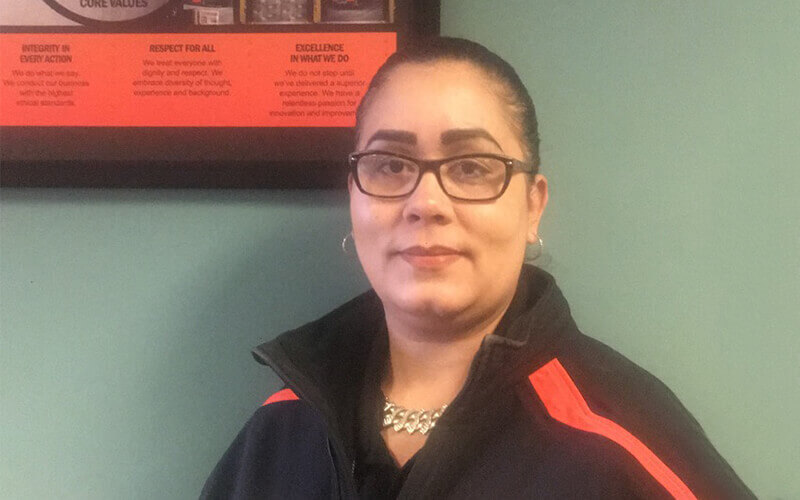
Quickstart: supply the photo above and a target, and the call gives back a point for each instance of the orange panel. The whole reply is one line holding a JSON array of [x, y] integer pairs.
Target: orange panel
[[282, 395], [187, 80], [565, 403]]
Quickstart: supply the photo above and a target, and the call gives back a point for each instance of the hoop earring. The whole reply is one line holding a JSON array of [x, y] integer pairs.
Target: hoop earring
[[345, 250], [540, 246]]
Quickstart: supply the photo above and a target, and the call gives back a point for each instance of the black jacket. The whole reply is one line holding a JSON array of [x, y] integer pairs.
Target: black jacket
[[546, 412]]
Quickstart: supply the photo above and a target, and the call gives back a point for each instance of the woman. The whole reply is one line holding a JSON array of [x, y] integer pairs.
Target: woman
[[461, 374]]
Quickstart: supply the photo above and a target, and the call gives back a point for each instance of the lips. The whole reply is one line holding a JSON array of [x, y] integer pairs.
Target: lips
[[431, 257], [433, 250]]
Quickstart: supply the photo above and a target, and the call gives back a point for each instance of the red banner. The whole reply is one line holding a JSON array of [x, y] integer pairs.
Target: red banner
[[187, 80]]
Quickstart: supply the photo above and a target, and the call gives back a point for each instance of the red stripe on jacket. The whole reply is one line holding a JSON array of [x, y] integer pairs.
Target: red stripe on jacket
[[282, 395], [564, 402]]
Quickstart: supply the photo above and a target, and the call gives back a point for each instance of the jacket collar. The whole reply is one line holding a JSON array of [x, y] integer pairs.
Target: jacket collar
[[324, 360], [536, 324]]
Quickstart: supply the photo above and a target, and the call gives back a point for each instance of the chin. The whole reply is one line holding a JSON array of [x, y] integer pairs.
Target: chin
[[425, 293], [440, 301]]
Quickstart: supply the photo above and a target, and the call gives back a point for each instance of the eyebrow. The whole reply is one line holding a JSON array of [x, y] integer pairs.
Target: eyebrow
[[466, 134], [402, 136], [447, 137]]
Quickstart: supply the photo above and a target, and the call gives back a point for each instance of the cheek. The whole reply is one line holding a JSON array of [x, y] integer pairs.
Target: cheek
[[499, 240], [501, 228], [371, 223], [364, 217]]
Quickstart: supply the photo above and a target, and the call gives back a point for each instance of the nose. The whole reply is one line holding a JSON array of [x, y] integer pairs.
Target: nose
[[428, 203]]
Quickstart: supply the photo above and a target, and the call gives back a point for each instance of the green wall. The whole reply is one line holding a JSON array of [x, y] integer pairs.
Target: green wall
[[670, 137], [127, 319]]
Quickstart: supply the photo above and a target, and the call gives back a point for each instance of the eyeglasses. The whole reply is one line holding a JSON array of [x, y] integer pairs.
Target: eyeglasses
[[473, 177]]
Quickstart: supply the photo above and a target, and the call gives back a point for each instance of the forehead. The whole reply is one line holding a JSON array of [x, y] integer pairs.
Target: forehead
[[428, 99]]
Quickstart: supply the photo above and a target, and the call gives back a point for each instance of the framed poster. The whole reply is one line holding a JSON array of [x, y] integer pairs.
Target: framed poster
[[191, 93]]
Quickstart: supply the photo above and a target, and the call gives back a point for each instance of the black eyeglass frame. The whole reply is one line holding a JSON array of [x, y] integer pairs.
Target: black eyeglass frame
[[434, 166]]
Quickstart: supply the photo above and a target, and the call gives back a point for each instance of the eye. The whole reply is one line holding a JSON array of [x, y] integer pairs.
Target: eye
[[474, 171], [385, 165], [394, 166], [469, 168]]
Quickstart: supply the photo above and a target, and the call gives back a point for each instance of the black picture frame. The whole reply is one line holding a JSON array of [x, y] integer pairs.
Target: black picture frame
[[196, 157]]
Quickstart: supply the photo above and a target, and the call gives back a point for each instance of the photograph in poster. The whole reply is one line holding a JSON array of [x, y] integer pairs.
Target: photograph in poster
[[108, 11], [279, 11], [355, 11]]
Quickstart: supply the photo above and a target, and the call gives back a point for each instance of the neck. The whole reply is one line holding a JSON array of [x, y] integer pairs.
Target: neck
[[430, 361]]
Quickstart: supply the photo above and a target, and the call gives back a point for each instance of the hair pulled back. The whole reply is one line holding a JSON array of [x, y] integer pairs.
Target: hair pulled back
[[509, 87]]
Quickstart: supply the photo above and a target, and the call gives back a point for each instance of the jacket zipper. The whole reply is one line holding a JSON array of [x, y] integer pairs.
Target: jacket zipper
[[346, 481]]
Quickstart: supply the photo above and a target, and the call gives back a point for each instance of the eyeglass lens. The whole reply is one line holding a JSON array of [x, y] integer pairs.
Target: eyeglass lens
[[472, 178]]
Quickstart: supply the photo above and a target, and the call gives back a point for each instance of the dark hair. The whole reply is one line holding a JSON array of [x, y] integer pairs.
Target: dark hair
[[510, 88]]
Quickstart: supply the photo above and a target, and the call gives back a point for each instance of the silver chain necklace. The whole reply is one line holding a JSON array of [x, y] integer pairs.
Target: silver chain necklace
[[402, 419]]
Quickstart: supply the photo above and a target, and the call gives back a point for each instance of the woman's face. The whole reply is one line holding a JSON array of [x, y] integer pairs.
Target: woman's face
[[427, 255]]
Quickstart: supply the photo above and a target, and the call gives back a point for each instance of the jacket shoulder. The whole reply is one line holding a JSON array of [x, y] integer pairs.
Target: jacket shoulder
[[282, 452], [632, 407]]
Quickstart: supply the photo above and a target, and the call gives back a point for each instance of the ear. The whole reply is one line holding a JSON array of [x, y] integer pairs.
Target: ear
[[351, 184], [537, 201]]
